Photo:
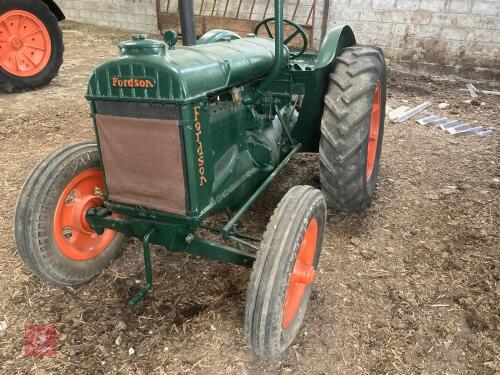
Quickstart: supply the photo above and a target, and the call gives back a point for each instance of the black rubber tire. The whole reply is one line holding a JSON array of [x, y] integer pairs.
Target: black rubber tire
[[272, 270], [33, 223], [9, 82], [345, 127]]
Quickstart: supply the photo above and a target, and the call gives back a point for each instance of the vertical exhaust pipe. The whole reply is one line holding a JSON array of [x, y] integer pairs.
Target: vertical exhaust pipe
[[186, 13]]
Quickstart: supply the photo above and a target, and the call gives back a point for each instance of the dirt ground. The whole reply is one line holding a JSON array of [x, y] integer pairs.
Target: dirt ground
[[410, 286]]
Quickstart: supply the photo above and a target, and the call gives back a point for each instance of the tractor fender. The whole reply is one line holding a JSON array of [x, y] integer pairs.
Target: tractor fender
[[217, 35], [307, 129], [54, 8], [335, 41]]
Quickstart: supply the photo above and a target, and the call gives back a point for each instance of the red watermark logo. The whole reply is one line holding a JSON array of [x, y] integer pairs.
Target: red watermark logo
[[40, 340]]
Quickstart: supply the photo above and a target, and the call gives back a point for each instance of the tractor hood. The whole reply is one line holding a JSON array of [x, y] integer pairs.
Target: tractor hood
[[147, 69]]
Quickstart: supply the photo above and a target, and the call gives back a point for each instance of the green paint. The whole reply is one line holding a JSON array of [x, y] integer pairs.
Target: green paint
[[147, 267], [236, 100]]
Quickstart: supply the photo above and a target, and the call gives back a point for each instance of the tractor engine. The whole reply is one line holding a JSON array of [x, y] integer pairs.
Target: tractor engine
[[178, 128]]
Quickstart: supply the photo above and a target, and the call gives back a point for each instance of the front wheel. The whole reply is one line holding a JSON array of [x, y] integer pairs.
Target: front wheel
[[282, 276], [52, 235], [352, 128]]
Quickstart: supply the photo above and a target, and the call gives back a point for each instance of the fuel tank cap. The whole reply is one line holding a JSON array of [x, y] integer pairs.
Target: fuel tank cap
[[140, 44]]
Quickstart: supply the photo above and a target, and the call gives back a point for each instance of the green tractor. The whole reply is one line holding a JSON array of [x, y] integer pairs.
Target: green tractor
[[186, 132], [31, 43]]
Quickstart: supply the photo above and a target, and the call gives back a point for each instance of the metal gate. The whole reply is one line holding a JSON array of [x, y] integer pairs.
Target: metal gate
[[239, 16]]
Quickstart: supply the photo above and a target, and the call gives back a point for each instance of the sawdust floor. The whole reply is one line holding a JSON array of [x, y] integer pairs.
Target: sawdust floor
[[410, 286]]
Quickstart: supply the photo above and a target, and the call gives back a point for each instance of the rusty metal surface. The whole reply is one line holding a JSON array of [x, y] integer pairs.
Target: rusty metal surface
[[143, 162]]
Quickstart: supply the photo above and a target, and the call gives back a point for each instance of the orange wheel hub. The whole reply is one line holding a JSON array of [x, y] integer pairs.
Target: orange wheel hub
[[25, 46], [73, 235], [374, 131], [303, 274]]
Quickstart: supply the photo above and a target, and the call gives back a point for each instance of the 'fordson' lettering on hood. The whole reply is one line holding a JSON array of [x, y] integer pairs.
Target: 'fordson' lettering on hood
[[199, 149], [132, 82]]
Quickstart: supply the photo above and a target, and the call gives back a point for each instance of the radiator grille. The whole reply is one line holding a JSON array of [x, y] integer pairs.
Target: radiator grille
[[142, 154], [158, 111]]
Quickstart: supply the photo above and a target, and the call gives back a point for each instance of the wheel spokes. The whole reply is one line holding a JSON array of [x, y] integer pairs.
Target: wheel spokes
[[291, 37], [269, 33]]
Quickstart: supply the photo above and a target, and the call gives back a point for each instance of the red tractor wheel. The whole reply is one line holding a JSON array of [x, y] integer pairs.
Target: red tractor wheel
[[31, 45], [52, 235], [352, 128], [282, 276]]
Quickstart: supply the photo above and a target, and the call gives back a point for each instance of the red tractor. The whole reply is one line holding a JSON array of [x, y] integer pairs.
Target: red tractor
[[31, 43]]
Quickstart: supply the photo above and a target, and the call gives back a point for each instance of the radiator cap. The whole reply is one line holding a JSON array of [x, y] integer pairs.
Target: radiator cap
[[140, 44]]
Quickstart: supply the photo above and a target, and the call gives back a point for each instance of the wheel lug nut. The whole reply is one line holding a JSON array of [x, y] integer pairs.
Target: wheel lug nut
[[67, 232], [98, 192], [69, 199]]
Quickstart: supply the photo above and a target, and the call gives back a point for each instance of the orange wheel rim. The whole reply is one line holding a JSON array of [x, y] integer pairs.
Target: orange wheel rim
[[374, 131], [74, 237], [303, 274], [25, 45]]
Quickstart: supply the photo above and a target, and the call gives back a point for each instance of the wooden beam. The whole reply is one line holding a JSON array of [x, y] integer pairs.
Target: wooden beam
[[158, 11], [251, 10], [213, 8], [238, 11], [267, 7], [295, 10], [324, 26]]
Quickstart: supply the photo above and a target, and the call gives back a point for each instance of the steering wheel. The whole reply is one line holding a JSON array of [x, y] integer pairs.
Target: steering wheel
[[299, 31]]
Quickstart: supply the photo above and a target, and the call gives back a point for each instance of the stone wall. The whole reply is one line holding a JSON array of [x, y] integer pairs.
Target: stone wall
[[126, 14], [444, 37]]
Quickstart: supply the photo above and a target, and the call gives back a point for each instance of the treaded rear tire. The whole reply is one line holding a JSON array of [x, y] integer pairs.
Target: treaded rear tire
[[345, 127], [272, 271], [10, 82], [33, 222]]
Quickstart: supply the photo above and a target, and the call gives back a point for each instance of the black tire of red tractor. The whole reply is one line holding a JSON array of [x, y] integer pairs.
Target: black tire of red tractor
[[33, 223], [9, 82], [345, 127], [272, 271]]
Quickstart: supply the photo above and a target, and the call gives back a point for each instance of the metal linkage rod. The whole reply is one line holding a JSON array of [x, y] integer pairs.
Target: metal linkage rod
[[234, 219]]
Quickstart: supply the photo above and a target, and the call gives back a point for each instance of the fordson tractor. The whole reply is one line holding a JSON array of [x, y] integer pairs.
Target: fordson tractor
[[185, 132], [31, 43]]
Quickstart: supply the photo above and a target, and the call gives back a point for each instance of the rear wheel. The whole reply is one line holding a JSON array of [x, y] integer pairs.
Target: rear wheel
[[52, 235], [283, 273], [31, 45], [352, 128]]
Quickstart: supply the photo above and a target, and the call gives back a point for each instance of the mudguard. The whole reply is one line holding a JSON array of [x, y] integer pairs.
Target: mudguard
[[54, 8], [308, 128], [335, 41]]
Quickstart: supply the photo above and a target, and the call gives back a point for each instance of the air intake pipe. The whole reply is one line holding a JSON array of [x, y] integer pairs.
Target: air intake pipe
[[278, 46]]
